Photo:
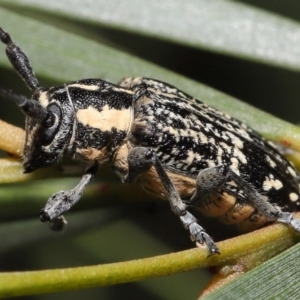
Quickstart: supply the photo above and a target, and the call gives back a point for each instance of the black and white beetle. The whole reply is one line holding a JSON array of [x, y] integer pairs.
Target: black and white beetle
[[175, 146]]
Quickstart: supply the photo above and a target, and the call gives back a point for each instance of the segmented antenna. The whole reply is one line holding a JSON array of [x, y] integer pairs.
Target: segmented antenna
[[19, 61], [30, 107]]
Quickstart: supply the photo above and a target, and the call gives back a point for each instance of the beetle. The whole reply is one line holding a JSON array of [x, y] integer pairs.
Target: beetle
[[175, 146]]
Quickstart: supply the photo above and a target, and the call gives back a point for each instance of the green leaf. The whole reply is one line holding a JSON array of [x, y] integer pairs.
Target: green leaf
[[59, 56], [223, 26], [277, 278]]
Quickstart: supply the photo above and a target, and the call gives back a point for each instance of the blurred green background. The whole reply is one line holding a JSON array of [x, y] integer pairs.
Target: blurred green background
[[247, 49]]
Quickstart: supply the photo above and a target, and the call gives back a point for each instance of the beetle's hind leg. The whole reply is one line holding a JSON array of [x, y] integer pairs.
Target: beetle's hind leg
[[211, 179], [140, 160], [289, 219]]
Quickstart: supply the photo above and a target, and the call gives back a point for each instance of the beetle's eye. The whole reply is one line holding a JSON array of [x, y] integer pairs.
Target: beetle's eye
[[50, 120], [50, 125]]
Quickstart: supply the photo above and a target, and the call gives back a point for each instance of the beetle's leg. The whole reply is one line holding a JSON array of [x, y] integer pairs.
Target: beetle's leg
[[211, 179], [289, 219], [140, 160], [62, 201]]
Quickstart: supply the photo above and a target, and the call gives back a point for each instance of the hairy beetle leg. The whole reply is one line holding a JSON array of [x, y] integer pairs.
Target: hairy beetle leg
[[288, 218], [62, 201], [140, 160], [211, 179]]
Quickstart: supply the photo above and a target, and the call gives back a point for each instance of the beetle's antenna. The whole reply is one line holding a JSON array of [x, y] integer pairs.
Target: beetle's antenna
[[30, 107], [20, 61]]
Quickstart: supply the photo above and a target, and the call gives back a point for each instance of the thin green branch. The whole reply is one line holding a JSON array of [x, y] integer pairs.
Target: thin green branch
[[267, 242]]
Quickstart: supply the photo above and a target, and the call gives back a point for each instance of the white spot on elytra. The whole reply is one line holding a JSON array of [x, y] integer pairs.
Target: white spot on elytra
[[225, 147], [190, 157], [270, 183], [240, 155], [237, 142], [293, 197], [243, 133], [234, 165], [224, 136], [159, 126], [210, 163], [209, 126], [272, 145], [219, 155], [197, 157], [270, 161], [203, 138], [292, 171], [212, 141]]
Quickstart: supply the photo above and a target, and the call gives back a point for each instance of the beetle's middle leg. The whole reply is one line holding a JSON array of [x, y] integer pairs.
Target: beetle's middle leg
[[211, 179], [140, 160]]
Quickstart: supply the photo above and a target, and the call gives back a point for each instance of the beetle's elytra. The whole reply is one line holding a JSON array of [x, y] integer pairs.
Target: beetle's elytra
[[175, 146]]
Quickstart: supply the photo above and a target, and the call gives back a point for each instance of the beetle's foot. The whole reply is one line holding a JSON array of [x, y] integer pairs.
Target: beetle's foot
[[58, 224], [198, 234]]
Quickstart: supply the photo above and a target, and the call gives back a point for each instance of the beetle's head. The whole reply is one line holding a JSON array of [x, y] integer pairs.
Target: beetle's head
[[49, 114], [49, 128]]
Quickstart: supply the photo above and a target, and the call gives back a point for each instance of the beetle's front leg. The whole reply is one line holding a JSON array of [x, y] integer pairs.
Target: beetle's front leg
[[62, 201], [140, 160]]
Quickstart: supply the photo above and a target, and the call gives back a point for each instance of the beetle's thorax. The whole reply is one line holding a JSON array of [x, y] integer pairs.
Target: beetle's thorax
[[103, 119]]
